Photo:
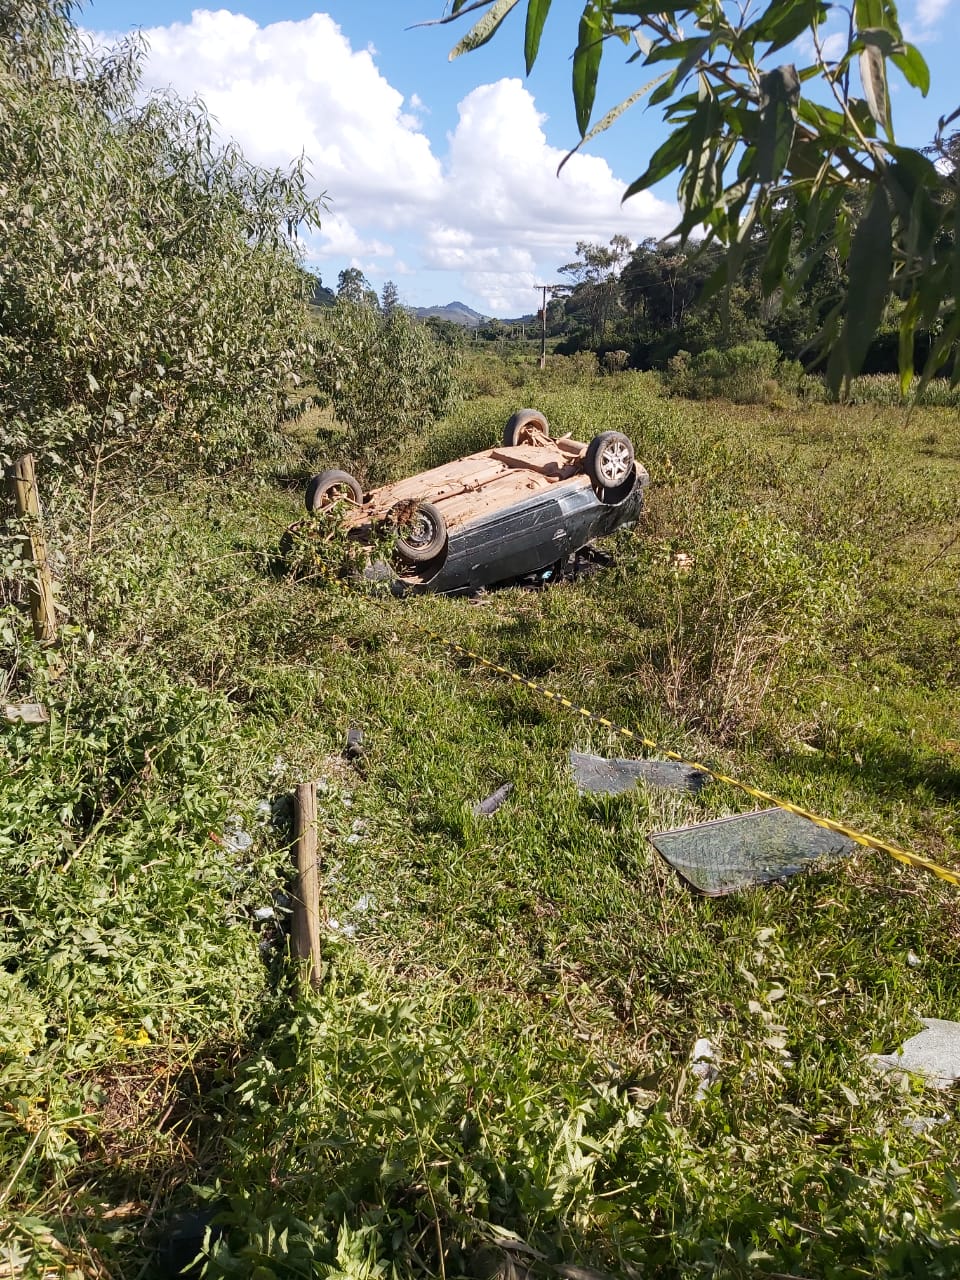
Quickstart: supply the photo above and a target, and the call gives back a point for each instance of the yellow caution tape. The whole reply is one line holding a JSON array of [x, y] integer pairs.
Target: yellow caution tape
[[868, 842]]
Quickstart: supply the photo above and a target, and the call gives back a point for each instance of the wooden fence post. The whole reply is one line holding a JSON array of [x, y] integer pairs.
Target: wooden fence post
[[22, 480], [306, 898]]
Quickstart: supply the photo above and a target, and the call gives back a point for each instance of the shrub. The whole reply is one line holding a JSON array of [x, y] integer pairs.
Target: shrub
[[486, 373], [745, 600], [152, 299], [680, 379], [751, 373], [884, 389], [615, 361], [382, 375], [567, 371]]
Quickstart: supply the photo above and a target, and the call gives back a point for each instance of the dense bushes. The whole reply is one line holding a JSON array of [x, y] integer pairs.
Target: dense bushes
[[752, 373], [383, 374], [757, 373], [884, 389], [151, 297], [751, 605]]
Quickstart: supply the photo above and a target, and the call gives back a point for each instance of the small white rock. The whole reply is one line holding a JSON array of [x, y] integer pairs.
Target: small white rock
[[703, 1066]]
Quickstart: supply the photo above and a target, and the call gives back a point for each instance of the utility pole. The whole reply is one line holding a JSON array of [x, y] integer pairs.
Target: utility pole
[[543, 321]]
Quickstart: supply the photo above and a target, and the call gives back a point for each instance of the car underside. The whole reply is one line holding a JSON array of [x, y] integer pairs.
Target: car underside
[[498, 514]]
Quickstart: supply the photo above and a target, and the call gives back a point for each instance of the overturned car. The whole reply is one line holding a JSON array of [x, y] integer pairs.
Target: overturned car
[[496, 515]]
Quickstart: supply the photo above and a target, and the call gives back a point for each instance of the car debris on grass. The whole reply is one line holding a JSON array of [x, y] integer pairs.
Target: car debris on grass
[[932, 1054], [596, 775]]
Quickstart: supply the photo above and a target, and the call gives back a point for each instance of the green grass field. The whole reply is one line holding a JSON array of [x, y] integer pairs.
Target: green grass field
[[496, 1078]]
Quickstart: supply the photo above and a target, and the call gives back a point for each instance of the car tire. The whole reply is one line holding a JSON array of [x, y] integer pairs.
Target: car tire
[[323, 490], [420, 531], [513, 431], [609, 462]]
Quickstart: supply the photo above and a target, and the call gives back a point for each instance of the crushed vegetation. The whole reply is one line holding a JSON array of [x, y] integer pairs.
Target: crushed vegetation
[[496, 1078]]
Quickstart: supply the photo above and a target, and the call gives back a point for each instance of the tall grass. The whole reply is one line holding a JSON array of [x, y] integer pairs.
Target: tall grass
[[884, 389], [496, 1076]]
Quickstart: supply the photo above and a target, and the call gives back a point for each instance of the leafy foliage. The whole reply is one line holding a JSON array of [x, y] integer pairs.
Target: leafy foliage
[[496, 1073], [384, 375], [150, 293], [749, 373], [596, 274], [757, 148], [754, 589]]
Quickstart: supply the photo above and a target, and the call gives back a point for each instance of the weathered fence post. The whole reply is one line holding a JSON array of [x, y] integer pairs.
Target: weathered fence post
[[306, 898], [22, 479]]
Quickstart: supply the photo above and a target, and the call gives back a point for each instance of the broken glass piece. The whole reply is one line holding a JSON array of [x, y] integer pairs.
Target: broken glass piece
[[598, 776], [933, 1053], [752, 848]]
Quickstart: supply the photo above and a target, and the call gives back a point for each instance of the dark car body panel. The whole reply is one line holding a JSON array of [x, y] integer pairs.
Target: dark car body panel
[[529, 536]]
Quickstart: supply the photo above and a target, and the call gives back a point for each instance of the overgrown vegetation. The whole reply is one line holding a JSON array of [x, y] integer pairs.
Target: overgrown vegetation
[[495, 1078], [151, 300], [749, 373], [383, 375], [496, 1072]]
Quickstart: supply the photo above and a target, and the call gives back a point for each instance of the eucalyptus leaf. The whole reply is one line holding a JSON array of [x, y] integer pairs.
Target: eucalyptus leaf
[[871, 259], [779, 95], [778, 252], [611, 117], [913, 65], [537, 11], [873, 76], [484, 29], [586, 63]]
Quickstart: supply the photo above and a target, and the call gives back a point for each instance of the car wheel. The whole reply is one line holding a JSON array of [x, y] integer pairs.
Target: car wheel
[[521, 424], [326, 488], [420, 529], [609, 460]]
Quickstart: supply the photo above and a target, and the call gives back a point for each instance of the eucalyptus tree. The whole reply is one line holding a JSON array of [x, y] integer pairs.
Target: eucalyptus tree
[[384, 375], [389, 298], [765, 144], [596, 289], [151, 297]]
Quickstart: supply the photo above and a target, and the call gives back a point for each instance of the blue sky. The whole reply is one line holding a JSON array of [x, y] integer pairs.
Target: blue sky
[[441, 175]]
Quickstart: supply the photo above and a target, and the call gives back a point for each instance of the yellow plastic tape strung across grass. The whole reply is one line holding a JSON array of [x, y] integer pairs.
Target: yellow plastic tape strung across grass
[[868, 842]]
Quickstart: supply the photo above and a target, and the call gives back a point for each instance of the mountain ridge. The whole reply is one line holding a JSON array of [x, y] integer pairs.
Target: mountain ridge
[[457, 312]]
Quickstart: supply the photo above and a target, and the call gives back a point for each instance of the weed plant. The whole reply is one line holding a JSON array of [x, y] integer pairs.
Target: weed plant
[[884, 389], [495, 1078]]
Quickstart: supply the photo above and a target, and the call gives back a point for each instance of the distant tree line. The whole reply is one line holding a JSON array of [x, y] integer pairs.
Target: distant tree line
[[658, 298]]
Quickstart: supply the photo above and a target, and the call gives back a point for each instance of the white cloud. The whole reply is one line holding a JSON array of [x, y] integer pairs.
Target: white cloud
[[929, 12], [490, 214], [519, 220], [834, 46], [926, 18], [299, 86], [339, 238]]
